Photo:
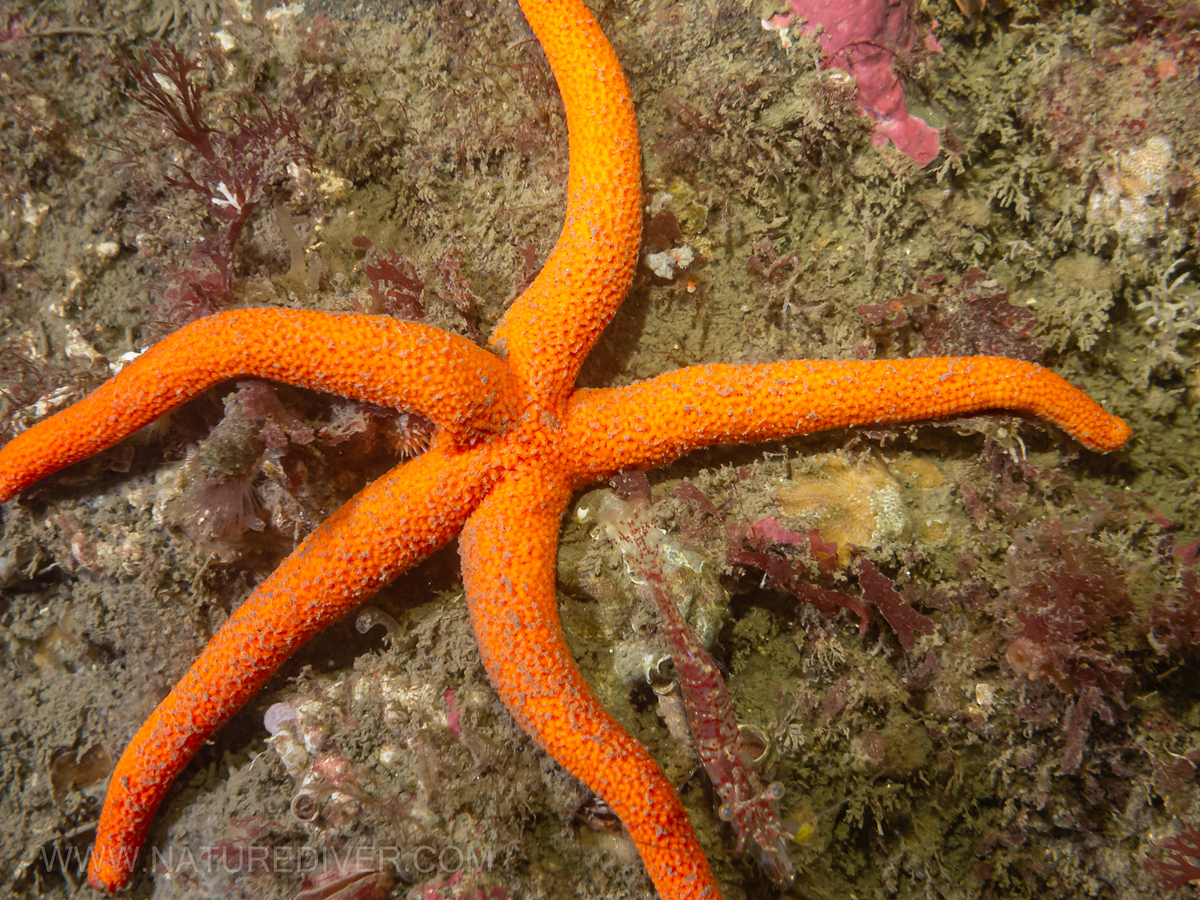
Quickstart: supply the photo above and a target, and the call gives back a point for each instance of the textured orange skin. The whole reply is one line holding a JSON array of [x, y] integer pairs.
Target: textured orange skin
[[512, 444], [399, 364]]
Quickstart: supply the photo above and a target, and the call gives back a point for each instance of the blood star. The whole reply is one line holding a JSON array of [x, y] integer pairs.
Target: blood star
[[512, 443]]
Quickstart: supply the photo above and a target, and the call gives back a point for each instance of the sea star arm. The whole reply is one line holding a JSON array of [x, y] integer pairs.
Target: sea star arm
[[399, 364], [508, 557], [384, 529], [550, 328], [662, 418]]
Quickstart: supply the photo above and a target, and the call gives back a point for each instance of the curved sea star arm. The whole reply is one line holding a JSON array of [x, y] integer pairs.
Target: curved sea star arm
[[372, 358], [662, 418], [550, 328], [508, 552], [384, 529]]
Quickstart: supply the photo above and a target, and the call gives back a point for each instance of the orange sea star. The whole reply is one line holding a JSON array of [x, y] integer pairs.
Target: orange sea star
[[512, 444]]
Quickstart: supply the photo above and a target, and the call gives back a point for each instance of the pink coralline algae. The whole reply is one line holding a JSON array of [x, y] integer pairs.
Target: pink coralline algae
[[863, 38]]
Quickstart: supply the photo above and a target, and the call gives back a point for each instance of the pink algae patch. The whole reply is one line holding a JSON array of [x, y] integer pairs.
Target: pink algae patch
[[863, 38]]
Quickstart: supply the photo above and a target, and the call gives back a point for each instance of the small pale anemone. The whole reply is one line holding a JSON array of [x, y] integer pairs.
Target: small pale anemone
[[218, 509], [410, 434], [1026, 658]]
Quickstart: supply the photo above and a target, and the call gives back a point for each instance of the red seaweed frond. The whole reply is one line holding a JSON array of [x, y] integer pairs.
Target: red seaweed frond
[[1181, 863], [395, 286], [751, 807], [231, 167]]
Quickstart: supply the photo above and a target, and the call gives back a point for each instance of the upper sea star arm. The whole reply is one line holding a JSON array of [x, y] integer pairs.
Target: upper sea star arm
[[550, 328], [662, 418], [384, 529], [508, 556], [372, 358]]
